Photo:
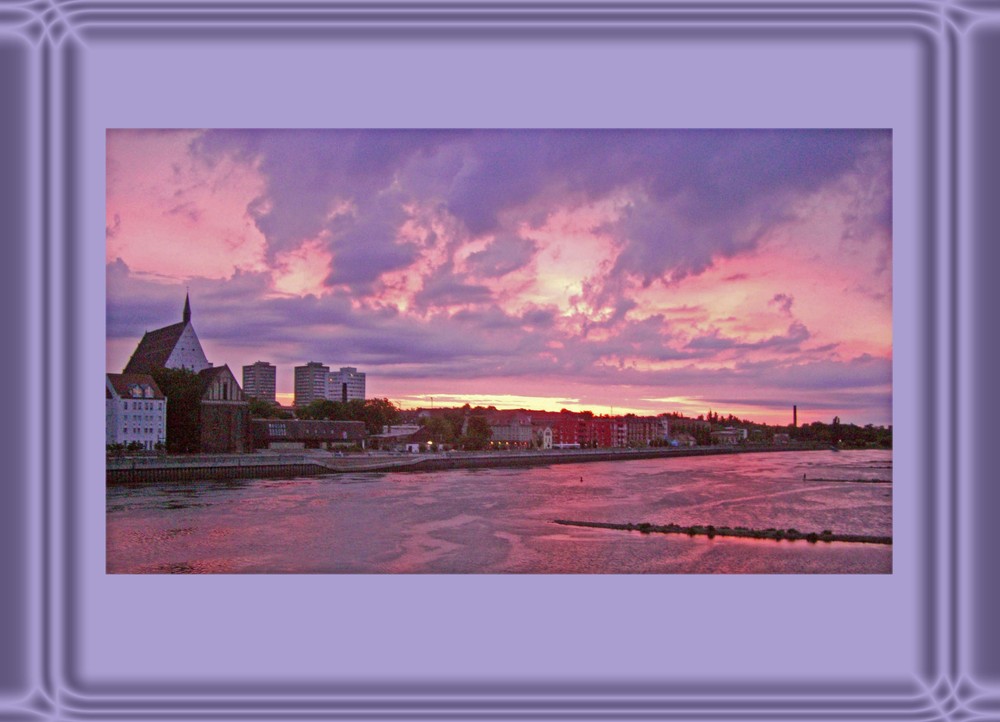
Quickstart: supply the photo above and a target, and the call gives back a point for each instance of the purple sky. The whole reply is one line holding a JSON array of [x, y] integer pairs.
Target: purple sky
[[647, 271]]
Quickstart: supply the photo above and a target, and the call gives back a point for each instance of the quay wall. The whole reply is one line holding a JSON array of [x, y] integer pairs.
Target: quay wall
[[270, 466]]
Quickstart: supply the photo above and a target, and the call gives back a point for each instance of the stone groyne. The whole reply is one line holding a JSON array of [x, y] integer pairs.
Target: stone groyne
[[739, 532]]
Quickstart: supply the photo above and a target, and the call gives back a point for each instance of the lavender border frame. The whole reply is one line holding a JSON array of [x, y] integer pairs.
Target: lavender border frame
[[960, 654]]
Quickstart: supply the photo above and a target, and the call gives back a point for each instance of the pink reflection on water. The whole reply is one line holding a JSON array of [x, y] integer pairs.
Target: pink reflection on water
[[500, 520]]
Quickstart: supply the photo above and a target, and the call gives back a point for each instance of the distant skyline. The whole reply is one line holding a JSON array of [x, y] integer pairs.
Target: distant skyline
[[640, 271]]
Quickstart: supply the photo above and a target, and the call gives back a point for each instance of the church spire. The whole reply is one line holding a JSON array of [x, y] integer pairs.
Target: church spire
[[187, 308]]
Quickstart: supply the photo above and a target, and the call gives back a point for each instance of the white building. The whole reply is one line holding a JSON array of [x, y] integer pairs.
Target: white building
[[259, 381], [345, 385], [136, 410], [311, 383]]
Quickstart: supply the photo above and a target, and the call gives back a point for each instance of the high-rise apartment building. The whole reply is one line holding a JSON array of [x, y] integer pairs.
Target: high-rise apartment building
[[259, 381], [346, 385], [310, 382]]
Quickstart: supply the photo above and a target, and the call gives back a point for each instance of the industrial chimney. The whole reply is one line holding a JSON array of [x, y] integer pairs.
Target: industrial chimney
[[795, 417]]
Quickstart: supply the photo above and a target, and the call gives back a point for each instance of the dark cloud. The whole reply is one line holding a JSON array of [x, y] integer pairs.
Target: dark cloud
[[186, 210], [365, 244], [502, 255], [443, 287], [114, 229], [698, 194], [784, 302], [792, 339]]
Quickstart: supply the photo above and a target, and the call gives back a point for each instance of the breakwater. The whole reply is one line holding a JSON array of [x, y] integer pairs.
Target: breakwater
[[724, 531], [264, 465]]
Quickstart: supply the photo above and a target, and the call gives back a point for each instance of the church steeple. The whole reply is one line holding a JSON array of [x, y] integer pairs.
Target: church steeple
[[187, 308]]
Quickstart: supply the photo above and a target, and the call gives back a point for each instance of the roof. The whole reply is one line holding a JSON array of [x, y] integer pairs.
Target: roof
[[155, 348], [122, 384], [301, 429], [209, 375], [212, 371]]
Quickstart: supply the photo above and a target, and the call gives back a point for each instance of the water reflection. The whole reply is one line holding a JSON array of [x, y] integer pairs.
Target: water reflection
[[500, 520]]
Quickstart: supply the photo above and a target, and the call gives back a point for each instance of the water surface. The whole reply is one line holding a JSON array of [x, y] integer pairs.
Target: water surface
[[500, 520]]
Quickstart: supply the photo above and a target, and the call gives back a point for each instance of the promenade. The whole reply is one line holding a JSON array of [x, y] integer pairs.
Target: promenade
[[273, 464]]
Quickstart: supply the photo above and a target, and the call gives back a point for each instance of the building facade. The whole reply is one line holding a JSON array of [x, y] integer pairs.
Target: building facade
[[224, 414], [311, 383], [211, 417], [516, 433], [304, 434], [260, 382], [347, 384], [136, 411]]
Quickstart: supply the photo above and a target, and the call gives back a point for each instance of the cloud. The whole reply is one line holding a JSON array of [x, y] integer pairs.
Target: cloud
[[186, 210], [783, 301], [501, 256], [444, 287], [693, 196], [566, 258], [365, 244], [115, 228], [792, 339]]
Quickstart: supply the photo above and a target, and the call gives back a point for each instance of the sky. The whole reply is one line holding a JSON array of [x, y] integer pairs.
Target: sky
[[645, 271]]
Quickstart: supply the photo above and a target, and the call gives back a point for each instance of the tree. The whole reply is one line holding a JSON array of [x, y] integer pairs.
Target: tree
[[266, 410], [477, 433], [319, 409], [441, 429], [182, 387], [376, 413]]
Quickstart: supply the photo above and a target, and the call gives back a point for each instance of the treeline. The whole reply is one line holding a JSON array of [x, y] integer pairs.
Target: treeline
[[848, 436], [375, 413]]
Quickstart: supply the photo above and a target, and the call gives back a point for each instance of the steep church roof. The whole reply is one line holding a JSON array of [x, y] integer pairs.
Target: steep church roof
[[154, 349], [156, 346]]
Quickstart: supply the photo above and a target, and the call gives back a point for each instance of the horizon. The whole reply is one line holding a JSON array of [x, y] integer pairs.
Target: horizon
[[644, 271]]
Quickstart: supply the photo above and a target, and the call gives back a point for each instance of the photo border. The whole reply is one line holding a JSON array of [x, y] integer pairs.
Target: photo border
[[960, 659]]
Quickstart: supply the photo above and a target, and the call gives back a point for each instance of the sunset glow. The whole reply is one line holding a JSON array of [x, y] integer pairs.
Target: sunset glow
[[615, 271]]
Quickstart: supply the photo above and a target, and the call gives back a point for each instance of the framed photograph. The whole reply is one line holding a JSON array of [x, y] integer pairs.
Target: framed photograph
[[844, 149]]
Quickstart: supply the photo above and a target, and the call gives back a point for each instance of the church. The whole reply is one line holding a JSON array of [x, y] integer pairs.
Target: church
[[174, 347], [223, 414]]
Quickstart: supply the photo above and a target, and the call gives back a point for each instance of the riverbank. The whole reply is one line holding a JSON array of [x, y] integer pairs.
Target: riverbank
[[269, 464]]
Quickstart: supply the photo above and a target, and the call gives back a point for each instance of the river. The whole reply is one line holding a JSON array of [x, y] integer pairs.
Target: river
[[500, 520]]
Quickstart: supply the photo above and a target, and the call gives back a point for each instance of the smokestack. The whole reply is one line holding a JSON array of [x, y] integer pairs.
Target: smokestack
[[795, 417]]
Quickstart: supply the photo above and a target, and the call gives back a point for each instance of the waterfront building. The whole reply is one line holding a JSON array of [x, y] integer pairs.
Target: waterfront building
[[224, 414], [729, 435], [347, 384], [566, 430], [311, 383], [259, 382], [136, 410], [405, 437], [515, 433], [642, 430], [306, 434], [219, 422], [545, 437], [173, 347]]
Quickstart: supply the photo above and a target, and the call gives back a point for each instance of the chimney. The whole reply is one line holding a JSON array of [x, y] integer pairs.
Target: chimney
[[795, 416]]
